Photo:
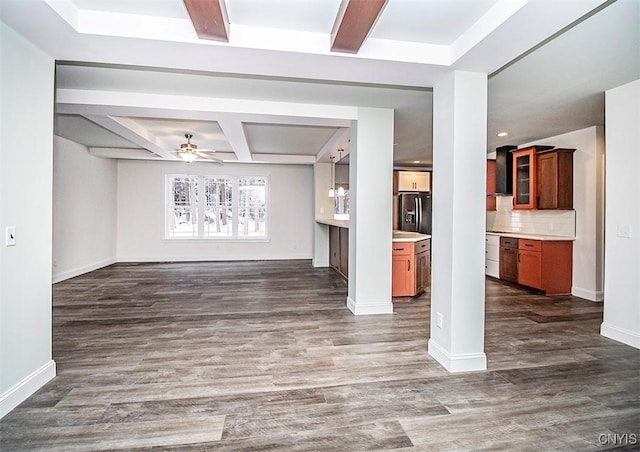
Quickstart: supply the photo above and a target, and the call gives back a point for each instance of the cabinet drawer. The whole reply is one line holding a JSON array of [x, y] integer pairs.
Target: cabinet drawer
[[531, 245], [492, 268], [402, 249], [508, 242], [492, 253], [422, 246], [492, 240]]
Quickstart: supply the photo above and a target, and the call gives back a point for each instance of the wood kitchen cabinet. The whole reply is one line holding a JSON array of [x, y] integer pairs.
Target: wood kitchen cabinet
[[543, 178], [530, 263], [422, 251], [546, 265], [344, 252], [411, 267], [491, 185], [555, 179], [402, 267], [509, 259], [524, 178], [339, 250], [414, 181]]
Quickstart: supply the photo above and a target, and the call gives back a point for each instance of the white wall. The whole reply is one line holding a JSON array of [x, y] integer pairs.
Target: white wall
[[457, 246], [84, 210], [622, 254], [141, 214], [588, 203], [26, 119]]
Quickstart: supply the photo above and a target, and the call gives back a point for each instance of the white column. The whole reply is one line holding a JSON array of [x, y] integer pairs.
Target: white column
[[323, 210], [458, 231], [370, 219], [621, 320]]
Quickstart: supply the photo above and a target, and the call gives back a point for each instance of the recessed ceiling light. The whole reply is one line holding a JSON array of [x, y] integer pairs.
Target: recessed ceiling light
[[416, 161], [503, 134]]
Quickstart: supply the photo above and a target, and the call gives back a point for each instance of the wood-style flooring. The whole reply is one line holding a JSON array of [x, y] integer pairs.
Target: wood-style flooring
[[265, 356]]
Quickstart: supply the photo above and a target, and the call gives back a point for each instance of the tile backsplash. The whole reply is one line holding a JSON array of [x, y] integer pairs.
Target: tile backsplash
[[543, 222]]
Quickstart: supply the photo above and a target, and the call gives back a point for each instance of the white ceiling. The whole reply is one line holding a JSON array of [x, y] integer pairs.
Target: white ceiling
[[133, 74]]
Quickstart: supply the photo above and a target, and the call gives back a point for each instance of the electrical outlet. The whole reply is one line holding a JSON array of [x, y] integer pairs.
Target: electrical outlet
[[624, 231], [439, 319]]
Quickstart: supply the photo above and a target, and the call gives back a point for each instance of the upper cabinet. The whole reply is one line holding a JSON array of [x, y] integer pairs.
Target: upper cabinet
[[524, 178], [555, 179], [414, 181], [491, 185], [543, 178]]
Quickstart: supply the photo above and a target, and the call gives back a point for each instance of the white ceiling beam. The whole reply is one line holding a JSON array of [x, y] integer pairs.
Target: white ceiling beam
[[234, 132], [74, 99], [339, 140], [133, 132], [123, 153]]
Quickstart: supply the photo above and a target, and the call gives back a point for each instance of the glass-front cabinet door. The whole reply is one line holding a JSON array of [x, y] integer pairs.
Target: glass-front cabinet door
[[524, 174]]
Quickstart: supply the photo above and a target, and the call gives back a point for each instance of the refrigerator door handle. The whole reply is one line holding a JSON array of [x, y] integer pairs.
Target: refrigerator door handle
[[419, 222], [417, 216]]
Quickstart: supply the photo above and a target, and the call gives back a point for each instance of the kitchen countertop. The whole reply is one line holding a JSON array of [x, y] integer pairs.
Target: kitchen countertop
[[406, 236], [332, 222], [518, 235]]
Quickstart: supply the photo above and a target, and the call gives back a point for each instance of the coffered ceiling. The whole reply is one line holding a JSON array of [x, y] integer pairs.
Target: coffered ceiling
[[133, 76]]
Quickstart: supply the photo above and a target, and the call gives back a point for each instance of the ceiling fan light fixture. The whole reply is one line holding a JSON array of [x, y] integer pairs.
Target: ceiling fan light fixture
[[188, 156]]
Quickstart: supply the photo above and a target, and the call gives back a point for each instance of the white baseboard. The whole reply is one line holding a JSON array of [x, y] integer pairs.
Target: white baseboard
[[209, 258], [362, 308], [623, 335], [24, 389], [57, 277], [318, 263], [587, 294], [457, 363]]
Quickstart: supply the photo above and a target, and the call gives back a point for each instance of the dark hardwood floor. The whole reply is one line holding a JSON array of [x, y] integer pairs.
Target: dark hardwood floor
[[261, 356]]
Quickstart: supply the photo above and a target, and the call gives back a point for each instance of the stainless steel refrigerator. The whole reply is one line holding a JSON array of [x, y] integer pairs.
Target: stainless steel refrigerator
[[414, 212]]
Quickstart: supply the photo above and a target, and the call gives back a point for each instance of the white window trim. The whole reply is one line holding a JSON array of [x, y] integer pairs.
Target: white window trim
[[235, 207]]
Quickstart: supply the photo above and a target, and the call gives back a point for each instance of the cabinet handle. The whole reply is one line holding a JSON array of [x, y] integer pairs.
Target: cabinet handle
[[408, 264], [518, 257], [528, 244], [398, 249]]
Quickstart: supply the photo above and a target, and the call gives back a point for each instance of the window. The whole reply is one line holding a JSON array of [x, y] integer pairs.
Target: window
[[216, 207]]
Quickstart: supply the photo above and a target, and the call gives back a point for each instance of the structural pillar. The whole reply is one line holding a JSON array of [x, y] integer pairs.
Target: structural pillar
[[370, 216], [458, 229]]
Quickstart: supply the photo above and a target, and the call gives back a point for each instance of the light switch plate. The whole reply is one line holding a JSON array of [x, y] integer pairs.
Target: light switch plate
[[10, 236]]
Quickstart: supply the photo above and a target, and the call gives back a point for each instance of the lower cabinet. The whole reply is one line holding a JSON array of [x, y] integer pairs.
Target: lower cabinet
[[546, 265], [402, 268], [492, 256], [530, 263], [411, 268], [509, 259], [339, 250], [423, 270]]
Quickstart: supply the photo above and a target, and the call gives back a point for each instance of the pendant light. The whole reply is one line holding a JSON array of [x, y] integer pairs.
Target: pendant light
[[332, 192], [340, 188]]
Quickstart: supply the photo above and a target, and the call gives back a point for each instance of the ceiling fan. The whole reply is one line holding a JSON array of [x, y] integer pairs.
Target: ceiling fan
[[190, 152]]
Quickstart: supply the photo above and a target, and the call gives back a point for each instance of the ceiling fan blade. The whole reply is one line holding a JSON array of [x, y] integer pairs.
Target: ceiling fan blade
[[208, 157]]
